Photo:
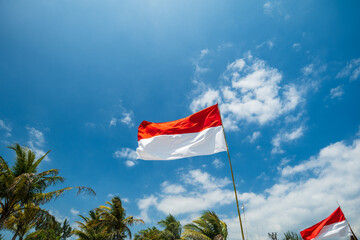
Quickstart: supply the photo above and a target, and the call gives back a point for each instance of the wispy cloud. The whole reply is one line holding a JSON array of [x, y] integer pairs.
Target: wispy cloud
[[224, 46], [337, 92], [5, 126], [74, 212], [217, 163], [113, 122], [252, 138], [269, 43], [285, 137], [296, 46], [58, 215], [144, 204], [123, 199], [199, 69], [36, 142], [352, 70], [126, 119], [313, 69], [172, 188], [7, 129], [122, 116], [127, 154], [274, 7], [90, 125]]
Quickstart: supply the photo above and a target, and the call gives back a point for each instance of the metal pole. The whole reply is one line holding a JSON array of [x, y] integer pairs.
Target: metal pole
[[232, 175], [353, 237]]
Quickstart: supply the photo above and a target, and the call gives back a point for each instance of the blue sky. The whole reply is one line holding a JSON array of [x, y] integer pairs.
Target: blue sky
[[78, 77]]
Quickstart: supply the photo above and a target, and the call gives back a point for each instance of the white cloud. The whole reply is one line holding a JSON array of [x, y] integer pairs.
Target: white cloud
[[284, 137], [224, 46], [309, 69], [127, 119], [74, 212], [204, 179], [337, 92], [113, 122], [36, 142], [90, 125], [172, 188], [268, 43], [144, 205], [126, 153], [251, 93], [199, 70], [302, 195], [293, 118], [209, 193], [268, 7], [210, 97], [296, 46], [122, 115], [313, 69], [130, 163], [263, 177], [255, 135], [5, 126], [204, 52], [58, 216], [110, 195], [217, 163], [36, 137], [296, 205], [274, 7], [352, 70]]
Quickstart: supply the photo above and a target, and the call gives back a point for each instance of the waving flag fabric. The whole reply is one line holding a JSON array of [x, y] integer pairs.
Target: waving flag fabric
[[198, 134], [333, 226]]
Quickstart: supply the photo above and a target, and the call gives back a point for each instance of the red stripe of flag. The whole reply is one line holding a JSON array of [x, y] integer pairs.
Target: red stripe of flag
[[312, 232], [197, 122]]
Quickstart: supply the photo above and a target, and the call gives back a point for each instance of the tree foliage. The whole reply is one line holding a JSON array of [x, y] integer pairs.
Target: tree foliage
[[291, 236], [172, 228], [107, 222], [207, 227], [23, 190]]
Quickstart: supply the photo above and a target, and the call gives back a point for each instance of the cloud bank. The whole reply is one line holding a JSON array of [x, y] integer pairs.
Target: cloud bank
[[252, 92], [303, 194]]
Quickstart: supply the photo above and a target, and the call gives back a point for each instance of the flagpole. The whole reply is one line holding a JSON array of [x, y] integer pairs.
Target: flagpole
[[353, 234], [232, 176]]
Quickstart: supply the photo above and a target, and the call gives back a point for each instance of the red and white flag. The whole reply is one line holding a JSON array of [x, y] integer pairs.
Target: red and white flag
[[198, 134], [333, 226]]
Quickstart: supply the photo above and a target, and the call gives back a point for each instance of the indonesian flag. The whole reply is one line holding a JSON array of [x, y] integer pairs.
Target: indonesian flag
[[333, 226], [198, 134]]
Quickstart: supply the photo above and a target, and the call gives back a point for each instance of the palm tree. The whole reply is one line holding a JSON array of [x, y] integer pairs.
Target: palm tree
[[24, 219], [49, 229], [291, 236], [90, 229], [207, 227], [113, 218], [149, 234], [23, 184], [172, 228]]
